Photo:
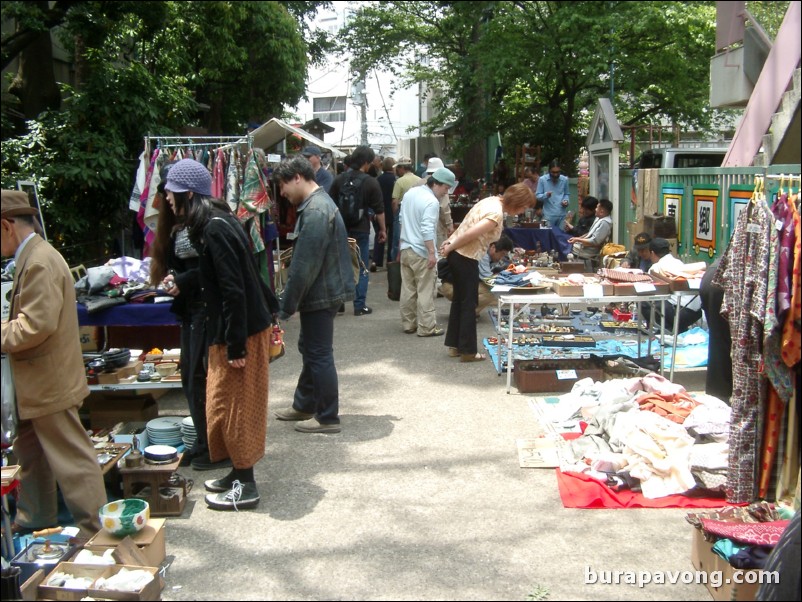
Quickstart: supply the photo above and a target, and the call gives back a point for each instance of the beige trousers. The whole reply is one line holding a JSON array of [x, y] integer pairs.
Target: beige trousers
[[56, 449], [418, 287]]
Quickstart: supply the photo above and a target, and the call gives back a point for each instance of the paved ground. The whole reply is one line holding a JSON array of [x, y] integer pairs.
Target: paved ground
[[419, 498]]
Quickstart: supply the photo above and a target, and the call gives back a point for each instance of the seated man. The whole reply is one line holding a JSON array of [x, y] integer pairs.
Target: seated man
[[588, 247], [495, 260], [587, 215], [641, 255], [691, 306]]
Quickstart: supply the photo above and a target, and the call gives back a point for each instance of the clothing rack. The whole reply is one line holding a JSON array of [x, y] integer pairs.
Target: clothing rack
[[190, 141]]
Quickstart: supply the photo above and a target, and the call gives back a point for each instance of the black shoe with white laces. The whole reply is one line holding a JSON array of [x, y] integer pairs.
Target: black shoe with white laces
[[241, 496], [363, 312]]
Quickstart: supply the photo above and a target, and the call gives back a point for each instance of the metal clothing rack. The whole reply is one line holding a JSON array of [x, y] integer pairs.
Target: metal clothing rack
[[190, 141]]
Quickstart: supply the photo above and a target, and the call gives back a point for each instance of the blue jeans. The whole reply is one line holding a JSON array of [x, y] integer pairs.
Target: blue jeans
[[363, 240], [318, 391]]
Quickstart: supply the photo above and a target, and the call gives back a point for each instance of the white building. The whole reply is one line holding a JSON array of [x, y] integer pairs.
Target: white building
[[388, 115]]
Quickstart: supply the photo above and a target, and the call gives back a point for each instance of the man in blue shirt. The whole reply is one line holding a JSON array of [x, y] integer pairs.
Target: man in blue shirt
[[552, 191], [323, 177]]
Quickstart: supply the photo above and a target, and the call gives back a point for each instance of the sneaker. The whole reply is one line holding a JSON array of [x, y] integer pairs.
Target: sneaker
[[203, 462], [363, 312], [241, 496], [292, 414], [218, 485], [437, 332], [313, 426], [372, 267]]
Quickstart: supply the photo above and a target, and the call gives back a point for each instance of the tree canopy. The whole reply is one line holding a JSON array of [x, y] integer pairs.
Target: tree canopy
[[140, 67], [534, 70]]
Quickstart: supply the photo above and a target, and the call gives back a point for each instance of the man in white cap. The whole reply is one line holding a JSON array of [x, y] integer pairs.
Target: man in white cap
[[323, 177], [406, 180], [418, 257], [445, 225]]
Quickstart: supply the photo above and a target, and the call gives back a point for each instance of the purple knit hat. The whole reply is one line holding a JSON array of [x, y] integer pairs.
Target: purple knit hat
[[189, 176]]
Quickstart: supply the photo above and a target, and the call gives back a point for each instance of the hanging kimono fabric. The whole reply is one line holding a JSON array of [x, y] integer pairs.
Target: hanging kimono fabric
[[139, 182], [232, 180], [218, 176], [791, 350], [742, 276], [144, 198], [254, 202]]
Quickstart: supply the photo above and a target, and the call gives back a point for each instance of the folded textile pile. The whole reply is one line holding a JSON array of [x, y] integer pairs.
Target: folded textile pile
[[624, 275]]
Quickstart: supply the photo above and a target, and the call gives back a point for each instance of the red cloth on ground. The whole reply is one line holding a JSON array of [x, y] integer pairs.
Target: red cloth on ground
[[578, 490]]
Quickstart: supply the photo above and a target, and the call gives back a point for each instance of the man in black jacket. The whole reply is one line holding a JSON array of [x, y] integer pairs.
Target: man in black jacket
[[372, 199]]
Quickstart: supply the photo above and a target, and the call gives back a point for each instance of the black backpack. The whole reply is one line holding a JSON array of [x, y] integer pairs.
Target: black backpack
[[349, 199]]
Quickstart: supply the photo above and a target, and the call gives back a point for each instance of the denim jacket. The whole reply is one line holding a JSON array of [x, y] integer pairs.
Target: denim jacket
[[320, 274]]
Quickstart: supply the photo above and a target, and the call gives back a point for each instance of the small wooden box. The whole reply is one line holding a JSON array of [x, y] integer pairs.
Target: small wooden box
[[541, 376], [92, 571], [150, 541], [151, 591]]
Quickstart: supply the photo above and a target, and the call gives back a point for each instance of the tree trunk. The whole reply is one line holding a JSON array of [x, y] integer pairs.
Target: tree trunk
[[35, 82]]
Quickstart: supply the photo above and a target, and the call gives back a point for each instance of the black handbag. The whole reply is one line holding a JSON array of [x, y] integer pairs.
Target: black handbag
[[394, 280]]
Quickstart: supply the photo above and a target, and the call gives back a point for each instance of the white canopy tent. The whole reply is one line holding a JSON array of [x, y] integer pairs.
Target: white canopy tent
[[274, 131]]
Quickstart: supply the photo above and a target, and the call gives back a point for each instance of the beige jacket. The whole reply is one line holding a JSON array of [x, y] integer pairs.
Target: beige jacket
[[41, 334]]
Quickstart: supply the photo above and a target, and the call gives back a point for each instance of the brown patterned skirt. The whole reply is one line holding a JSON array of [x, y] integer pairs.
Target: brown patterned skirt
[[236, 403]]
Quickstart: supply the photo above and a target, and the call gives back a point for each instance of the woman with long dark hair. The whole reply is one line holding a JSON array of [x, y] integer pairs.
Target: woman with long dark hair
[[238, 307], [174, 266]]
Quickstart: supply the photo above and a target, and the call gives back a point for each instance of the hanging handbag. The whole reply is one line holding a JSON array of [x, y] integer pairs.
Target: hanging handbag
[[277, 349], [9, 401]]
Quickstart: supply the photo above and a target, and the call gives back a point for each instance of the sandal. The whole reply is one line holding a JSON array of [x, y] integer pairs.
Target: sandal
[[470, 357], [453, 352]]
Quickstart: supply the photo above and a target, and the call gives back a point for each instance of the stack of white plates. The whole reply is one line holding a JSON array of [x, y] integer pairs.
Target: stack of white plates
[[188, 432], [165, 430]]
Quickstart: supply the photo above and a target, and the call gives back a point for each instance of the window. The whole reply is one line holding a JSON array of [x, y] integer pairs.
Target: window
[[330, 108]]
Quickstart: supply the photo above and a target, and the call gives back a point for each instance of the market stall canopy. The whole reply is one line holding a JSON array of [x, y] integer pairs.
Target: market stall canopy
[[274, 131]]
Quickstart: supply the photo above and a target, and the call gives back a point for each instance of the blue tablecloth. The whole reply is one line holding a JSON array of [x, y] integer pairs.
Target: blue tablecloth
[[129, 314], [549, 238]]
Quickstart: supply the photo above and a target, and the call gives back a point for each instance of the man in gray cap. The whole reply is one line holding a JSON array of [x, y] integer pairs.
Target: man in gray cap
[[41, 338], [323, 176]]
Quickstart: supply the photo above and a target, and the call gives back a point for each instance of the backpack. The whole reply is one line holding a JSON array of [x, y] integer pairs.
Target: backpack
[[349, 198]]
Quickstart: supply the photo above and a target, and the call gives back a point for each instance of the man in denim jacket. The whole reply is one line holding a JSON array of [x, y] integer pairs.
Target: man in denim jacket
[[320, 279]]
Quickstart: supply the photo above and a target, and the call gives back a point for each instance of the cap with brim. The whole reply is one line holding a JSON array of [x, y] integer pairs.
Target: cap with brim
[[434, 164], [444, 176], [403, 162], [642, 240], [15, 203], [659, 244], [311, 151]]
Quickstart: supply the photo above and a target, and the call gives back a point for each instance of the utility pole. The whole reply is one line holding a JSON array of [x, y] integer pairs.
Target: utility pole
[[360, 98]]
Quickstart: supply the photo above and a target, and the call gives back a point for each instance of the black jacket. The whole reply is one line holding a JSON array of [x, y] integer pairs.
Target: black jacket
[[238, 303]]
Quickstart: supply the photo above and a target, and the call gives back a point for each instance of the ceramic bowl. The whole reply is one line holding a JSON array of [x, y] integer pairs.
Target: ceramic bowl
[[166, 369], [124, 517], [160, 453]]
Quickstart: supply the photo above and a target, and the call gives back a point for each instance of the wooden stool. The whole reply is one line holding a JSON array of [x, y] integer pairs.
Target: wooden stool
[[167, 492]]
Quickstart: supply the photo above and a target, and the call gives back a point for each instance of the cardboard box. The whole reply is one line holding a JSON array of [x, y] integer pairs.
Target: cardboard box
[[88, 338], [151, 591], [679, 284], [557, 376], [91, 571], [150, 541], [108, 412], [114, 377], [575, 290], [627, 289], [722, 585]]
